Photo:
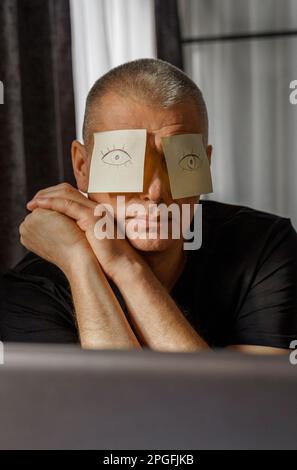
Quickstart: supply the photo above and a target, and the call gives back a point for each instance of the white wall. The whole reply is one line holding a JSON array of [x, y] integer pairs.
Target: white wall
[[106, 33], [246, 88]]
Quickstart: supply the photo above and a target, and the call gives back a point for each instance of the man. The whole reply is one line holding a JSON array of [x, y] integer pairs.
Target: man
[[238, 290]]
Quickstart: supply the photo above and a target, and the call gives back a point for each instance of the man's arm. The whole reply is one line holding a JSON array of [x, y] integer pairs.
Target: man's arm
[[251, 349], [153, 313], [100, 319], [57, 239]]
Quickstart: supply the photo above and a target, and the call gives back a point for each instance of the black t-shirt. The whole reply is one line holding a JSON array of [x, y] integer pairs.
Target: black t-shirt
[[240, 287]]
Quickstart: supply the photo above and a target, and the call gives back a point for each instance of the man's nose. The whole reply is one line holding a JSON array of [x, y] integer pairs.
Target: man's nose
[[153, 188], [156, 181]]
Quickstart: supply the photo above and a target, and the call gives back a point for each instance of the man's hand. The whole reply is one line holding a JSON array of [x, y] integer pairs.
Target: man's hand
[[55, 230], [54, 237], [68, 201]]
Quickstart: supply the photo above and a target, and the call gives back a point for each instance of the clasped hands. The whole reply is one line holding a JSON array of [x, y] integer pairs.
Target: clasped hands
[[60, 229]]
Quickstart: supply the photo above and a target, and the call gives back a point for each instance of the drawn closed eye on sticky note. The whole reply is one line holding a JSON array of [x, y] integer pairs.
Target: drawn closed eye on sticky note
[[116, 157], [190, 161]]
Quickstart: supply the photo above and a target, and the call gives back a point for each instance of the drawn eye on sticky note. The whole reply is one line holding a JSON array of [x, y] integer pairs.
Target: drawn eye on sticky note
[[117, 163], [191, 162], [187, 165], [116, 157]]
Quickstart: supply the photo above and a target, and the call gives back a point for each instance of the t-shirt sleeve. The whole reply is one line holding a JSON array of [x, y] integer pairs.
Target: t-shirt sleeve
[[268, 316], [35, 309]]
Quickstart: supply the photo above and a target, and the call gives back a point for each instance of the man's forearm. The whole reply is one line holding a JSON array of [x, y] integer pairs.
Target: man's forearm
[[100, 319], [154, 315]]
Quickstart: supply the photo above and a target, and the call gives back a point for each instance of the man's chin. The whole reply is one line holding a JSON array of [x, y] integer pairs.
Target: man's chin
[[152, 245]]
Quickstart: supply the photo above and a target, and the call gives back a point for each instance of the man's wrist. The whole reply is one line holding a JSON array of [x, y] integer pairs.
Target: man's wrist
[[126, 270], [78, 261]]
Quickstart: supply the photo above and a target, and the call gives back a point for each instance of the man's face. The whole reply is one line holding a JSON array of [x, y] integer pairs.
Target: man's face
[[116, 113]]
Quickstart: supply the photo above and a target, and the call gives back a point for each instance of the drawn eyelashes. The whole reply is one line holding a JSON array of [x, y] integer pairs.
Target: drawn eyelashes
[[117, 157], [190, 162]]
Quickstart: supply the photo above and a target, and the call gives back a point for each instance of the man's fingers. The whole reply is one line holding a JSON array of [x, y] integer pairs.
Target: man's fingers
[[68, 207], [74, 196], [64, 193], [57, 187]]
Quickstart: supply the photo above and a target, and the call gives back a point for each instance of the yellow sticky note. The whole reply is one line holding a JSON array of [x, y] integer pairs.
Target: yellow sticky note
[[187, 164], [117, 163]]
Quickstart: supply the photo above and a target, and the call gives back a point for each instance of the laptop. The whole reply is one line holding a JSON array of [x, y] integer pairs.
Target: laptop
[[63, 397]]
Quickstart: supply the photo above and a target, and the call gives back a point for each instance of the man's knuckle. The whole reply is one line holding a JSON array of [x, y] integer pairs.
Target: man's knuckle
[[36, 215], [67, 187], [68, 203], [26, 220]]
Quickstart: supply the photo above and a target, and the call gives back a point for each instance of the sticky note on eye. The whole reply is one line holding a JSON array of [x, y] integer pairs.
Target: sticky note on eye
[[187, 164], [117, 163]]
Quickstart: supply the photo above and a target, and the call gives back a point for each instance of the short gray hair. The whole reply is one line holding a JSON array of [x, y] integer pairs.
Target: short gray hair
[[151, 80]]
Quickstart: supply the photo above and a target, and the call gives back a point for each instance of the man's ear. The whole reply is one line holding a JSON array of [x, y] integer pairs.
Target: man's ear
[[209, 153], [80, 164]]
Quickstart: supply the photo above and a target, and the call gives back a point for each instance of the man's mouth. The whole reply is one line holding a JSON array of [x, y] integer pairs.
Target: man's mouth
[[147, 218]]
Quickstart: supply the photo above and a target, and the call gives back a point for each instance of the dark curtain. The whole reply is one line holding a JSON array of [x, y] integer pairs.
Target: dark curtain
[[168, 33], [37, 118]]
